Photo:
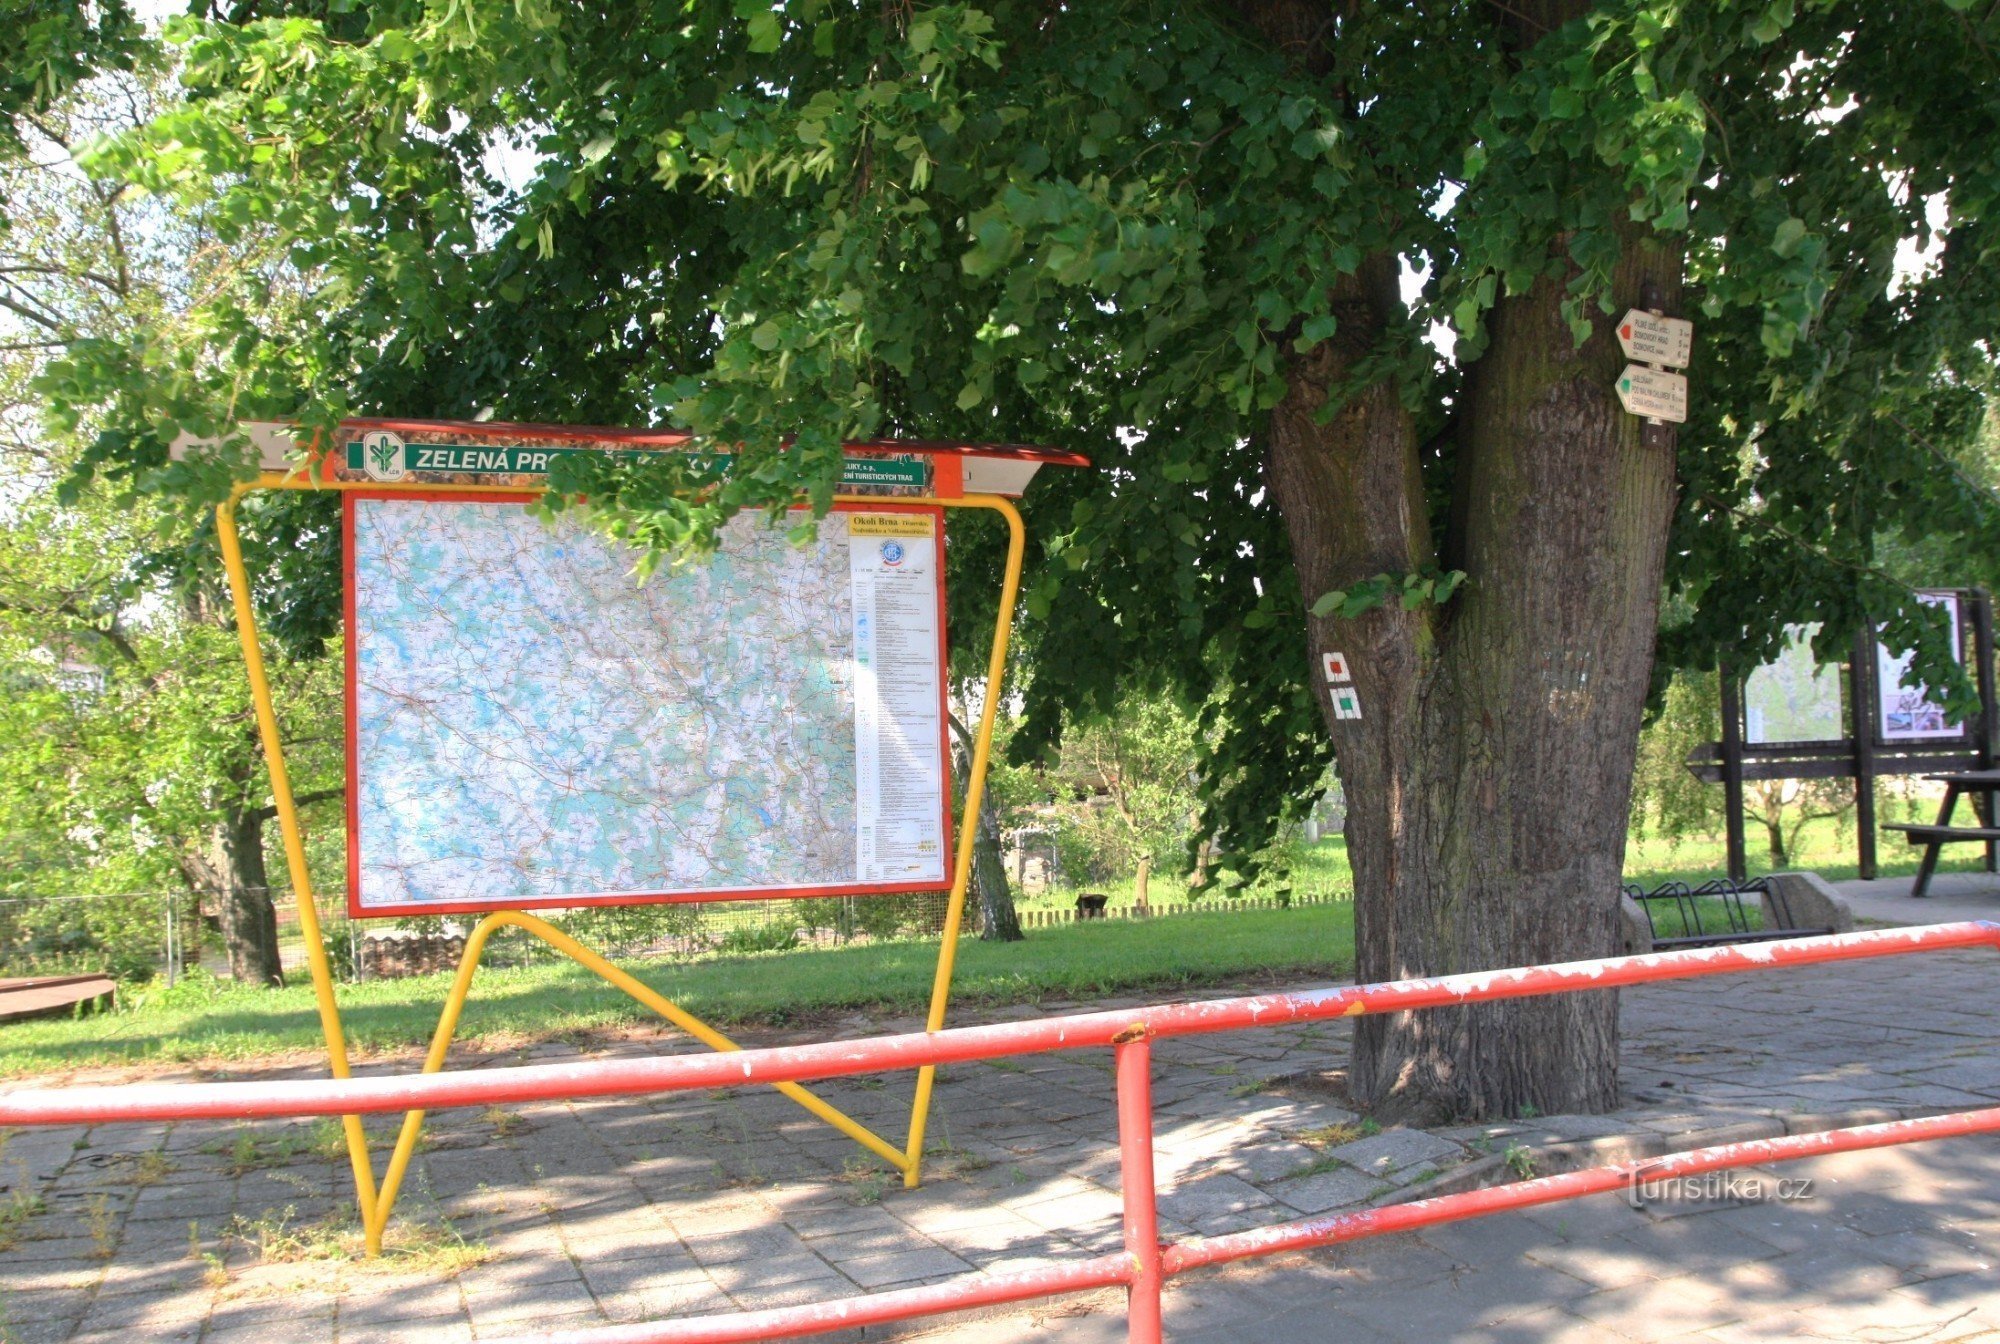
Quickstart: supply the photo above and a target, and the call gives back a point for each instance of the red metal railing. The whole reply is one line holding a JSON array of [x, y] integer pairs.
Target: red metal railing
[[1145, 1263]]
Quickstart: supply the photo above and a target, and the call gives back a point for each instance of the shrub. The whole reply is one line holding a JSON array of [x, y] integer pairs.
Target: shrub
[[773, 936]]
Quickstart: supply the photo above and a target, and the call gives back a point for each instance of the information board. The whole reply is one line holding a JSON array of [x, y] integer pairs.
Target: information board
[[529, 725], [1909, 711], [1796, 698]]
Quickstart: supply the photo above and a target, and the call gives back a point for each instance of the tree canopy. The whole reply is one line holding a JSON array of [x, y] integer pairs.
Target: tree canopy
[[1114, 227], [128, 753]]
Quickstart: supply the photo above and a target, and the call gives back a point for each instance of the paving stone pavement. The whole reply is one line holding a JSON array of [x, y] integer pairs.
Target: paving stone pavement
[[1891, 1246], [638, 1209]]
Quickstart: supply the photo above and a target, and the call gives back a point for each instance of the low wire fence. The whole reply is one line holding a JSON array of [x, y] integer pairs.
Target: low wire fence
[[137, 936], [129, 935], [1048, 919]]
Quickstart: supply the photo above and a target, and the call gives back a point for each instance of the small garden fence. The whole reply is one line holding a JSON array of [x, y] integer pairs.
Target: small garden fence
[[1211, 905]]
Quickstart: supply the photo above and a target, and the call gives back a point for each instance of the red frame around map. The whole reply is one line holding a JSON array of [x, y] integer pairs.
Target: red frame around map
[[356, 910]]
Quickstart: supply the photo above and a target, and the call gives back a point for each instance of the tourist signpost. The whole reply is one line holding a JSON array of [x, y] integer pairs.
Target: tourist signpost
[[1652, 339], [1657, 344], [1653, 393], [529, 726]]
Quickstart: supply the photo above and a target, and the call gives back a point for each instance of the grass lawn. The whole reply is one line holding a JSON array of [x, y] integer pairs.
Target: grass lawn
[[1651, 862], [1318, 871], [210, 1022]]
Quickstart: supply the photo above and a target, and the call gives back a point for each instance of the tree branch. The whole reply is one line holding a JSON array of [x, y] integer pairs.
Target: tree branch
[[1509, 10], [46, 323], [105, 281], [84, 627], [269, 810]]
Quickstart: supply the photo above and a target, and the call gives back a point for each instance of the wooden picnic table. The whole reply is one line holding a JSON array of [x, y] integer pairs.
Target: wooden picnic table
[[1982, 785], [37, 995]]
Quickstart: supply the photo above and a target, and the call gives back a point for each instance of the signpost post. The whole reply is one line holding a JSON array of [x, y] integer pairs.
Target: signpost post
[[895, 489]]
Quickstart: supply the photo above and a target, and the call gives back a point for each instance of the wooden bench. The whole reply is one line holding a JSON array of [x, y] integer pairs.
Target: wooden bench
[[1934, 838], [44, 995]]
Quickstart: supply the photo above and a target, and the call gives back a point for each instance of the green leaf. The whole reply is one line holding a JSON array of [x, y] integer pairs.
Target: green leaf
[[394, 45], [765, 32], [1789, 235], [1313, 331], [1328, 601], [1465, 317]]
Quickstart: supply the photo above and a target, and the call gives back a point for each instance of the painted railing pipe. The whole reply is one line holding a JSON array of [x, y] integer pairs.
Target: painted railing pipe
[[833, 1059], [1138, 1191], [1144, 1327], [897, 1304], [1327, 1231], [1144, 1264]]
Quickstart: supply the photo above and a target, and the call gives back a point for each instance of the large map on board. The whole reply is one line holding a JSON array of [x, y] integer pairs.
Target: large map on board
[[531, 725]]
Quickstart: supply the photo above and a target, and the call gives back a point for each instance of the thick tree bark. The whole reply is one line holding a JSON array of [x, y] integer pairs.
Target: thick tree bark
[[997, 920], [1774, 839], [1488, 778], [228, 868]]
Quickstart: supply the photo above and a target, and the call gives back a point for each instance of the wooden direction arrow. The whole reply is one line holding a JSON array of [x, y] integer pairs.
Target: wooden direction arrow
[[1654, 393], [1656, 340]]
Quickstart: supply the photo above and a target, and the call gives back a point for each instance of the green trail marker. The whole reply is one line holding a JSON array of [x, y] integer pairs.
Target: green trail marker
[[1653, 393]]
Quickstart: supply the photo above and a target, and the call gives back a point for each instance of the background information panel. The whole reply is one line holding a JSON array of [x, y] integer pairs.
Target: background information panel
[[530, 726]]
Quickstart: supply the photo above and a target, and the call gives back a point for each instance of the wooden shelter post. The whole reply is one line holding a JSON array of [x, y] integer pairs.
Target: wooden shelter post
[[1981, 604], [1732, 771], [1861, 685]]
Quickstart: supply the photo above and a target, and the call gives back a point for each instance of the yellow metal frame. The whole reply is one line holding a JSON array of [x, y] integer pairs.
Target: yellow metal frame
[[375, 1203]]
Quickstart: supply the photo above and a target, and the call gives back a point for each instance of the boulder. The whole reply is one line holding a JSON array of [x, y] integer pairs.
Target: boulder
[[1810, 900]]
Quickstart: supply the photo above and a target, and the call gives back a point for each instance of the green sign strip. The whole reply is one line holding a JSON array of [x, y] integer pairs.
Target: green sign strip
[[471, 459]]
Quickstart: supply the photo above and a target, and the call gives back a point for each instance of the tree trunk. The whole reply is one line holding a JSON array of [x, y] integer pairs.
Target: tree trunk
[[997, 920], [229, 867], [1488, 777], [1774, 838]]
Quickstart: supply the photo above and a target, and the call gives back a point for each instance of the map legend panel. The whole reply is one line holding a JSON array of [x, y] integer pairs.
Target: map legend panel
[[898, 723]]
